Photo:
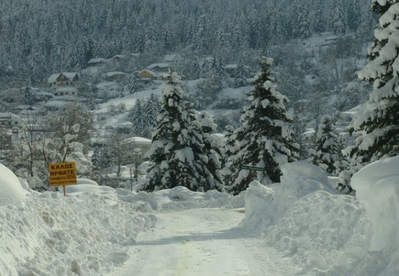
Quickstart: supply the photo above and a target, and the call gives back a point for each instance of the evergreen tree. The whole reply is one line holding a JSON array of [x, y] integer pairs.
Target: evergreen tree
[[326, 151], [303, 20], [138, 118], [240, 79], [101, 158], [377, 123], [91, 97], [231, 147], [264, 140], [28, 96], [339, 23], [177, 155], [152, 108], [237, 39], [319, 21], [254, 30], [211, 149], [133, 85]]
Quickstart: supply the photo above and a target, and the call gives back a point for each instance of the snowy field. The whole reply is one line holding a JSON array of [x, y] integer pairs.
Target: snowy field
[[298, 227]]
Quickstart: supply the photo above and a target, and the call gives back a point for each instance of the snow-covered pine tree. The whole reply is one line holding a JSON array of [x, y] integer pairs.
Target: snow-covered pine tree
[[318, 20], [230, 149], [28, 96], [264, 140], [138, 118], [152, 108], [101, 158], [133, 85], [339, 24], [211, 149], [177, 156], [91, 96], [303, 20], [377, 123], [239, 78], [326, 151]]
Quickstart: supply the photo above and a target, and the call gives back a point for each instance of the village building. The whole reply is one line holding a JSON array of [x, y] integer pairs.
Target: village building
[[139, 147], [55, 106], [95, 62], [173, 59], [63, 79], [9, 120], [114, 76], [147, 75], [118, 58], [66, 92], [159, 68]]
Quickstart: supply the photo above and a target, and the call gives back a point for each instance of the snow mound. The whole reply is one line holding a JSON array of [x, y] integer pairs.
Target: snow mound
[[87, 181], [377, 188], [180, 198], [84, 233], [307, 220], [11, 191]]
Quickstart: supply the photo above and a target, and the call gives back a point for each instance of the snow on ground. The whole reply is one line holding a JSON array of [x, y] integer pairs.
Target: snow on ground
[[11, 192], [86, 233], [300, 226], [202, 242]]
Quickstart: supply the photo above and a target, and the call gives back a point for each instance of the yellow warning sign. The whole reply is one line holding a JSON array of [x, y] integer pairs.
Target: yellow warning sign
[[62, 174]]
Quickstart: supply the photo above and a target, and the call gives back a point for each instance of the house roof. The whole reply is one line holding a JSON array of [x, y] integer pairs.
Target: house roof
[[231, 66], [8, 115], [152, 73], [158, 65], [116, 73], [138, 140], [172, 57], [118, 57], [68, 75], [97, 60], [55, 104]]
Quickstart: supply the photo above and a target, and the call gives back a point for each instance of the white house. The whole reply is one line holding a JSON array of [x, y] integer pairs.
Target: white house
[[114, 76], [10, 120], [159, 67], [63, 79], [173, 59], [147, 75], [94, 62], [141, 143], [55, 106], [70, 92]]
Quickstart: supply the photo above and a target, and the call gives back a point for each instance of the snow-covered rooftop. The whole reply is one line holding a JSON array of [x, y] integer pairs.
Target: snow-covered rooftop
[[68, 75], [116, 73], [139, 140], [158, 65], [172, 57], [97, 60]]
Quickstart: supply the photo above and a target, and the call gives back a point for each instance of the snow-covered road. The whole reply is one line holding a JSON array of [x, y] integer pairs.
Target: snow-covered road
[[202, 242]]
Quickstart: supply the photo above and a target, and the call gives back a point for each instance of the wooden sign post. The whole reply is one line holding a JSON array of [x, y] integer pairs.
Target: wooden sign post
[[252, 168], [62, 174]]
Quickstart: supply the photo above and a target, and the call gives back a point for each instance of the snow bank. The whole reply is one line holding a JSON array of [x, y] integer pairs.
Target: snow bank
[[85, 233], [180, 198], [377, 188], [11, 191], [307, 220]]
